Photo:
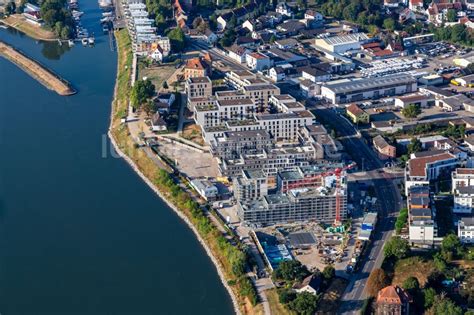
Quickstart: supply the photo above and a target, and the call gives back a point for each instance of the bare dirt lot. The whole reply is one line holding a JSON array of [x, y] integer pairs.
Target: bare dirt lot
[[190, 162]]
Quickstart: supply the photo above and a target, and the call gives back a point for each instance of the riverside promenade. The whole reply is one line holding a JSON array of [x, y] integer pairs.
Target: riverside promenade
[[43, 75]]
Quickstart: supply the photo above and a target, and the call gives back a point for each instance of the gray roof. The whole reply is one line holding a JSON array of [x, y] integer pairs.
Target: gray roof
[[370, 83]]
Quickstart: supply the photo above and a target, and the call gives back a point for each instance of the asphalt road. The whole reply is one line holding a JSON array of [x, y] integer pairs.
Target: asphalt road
[[389, 200]]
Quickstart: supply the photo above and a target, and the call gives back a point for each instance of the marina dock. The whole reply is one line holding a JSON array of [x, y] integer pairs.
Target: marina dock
[[36, 70]]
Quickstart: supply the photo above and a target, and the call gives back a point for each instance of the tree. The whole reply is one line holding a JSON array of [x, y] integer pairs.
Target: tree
[[396, 247], [411, 111], [429, 297], [285, 296], [149, 107], [141, 91], [445, 306], [451, 247], [389, 24], [10, 8], [165, 85], [305, 303], [291, 270], [329, 272], [414, 146], [411, 285], [451, 15], [377, 281], [177, 39], [402, 220]]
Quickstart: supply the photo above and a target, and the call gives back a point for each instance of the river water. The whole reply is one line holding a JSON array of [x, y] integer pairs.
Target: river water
[[80, 233]]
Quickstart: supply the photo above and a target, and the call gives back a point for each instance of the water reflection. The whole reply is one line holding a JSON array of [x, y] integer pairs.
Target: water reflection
[[50, 49]]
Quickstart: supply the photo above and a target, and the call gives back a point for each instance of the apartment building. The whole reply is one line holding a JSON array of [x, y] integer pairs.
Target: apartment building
[[326, 147], [251, 185], [421, 216], [218, 112], [285, 126], [233, 144], [428, 166], [270, 162], [297, 205], [261, 93], [463, 190], [466, 230], [307, 176], [197, 88]]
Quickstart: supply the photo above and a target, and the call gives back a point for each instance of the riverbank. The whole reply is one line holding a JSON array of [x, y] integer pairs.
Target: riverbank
[[35, 70], [226, 258], [19, 23]]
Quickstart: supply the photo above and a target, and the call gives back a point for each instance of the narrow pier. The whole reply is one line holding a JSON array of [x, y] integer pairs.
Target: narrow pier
[[43, 75]]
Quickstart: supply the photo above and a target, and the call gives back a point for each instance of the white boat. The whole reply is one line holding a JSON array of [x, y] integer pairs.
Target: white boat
[[107, 14], [105, 3], [91, 40], [70, 43], [84, 41]]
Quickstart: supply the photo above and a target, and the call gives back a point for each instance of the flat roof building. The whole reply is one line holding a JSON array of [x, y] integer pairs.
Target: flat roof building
[[352, 90]]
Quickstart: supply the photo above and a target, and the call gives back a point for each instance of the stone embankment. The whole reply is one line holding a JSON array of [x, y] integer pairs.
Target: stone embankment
[[43, 75]]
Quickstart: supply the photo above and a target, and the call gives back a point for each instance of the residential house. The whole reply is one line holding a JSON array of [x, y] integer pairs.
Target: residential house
[[416, 5], [391, 3], [32, 13], [277, 74], [205, 188], [313, 15], [286, 44], [238, 53], [158, 123], [283, 9], [437, 10], [309, 88], [357, 115], [210, 36], [291, 27], [311, 284], [393, 300], [469, 141], [384, 149], [198, 67], [315, 74], [466, 230], [406, 16], [258, 61], [163, 102]]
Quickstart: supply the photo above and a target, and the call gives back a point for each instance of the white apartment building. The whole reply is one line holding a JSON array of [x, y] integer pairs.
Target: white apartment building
[[466, 230], [285, 126], [223, 110], [427, 167], [421, 216], [463, 190]]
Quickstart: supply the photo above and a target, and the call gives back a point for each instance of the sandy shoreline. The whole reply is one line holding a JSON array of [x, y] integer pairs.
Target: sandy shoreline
[[171, 205]]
